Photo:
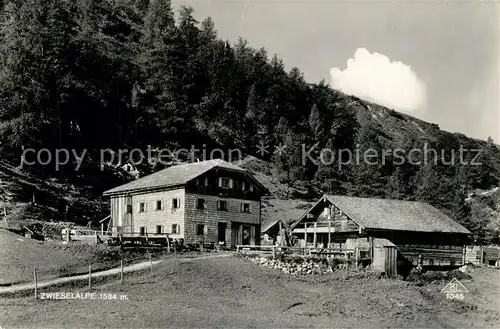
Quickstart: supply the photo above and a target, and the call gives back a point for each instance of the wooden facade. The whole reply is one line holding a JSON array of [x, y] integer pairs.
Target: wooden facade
[[485, 255], [385, 256]]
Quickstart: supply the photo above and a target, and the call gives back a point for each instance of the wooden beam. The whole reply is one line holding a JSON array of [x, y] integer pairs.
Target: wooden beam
[[281, 234], [305, 235], [329, 233], [314, 237], [370, 243]]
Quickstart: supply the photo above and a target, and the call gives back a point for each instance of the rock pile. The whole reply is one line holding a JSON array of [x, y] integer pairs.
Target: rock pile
[[298, 266]]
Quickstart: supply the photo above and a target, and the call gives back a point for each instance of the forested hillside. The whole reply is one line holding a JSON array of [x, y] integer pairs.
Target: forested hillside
[[91, 75]]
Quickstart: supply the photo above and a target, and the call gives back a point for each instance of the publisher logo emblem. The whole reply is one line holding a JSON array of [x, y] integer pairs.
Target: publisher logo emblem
[[454, 290]]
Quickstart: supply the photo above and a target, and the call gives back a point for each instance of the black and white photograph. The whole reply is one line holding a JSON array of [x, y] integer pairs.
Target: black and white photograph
[[249, 164]]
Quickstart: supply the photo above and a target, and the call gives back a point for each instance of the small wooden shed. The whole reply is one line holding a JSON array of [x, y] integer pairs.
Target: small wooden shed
[[385, 256], [275, 232]]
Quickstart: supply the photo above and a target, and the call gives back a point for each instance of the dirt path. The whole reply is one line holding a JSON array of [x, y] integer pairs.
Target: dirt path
[[115, 271]]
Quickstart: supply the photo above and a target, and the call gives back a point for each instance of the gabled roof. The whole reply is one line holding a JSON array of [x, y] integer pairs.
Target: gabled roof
[[177, 176], [380, 243], [389, 214], [267, 226]]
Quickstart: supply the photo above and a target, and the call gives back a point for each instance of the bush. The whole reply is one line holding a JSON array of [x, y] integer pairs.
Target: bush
[[459, 275], [437, 276], [339, 263]]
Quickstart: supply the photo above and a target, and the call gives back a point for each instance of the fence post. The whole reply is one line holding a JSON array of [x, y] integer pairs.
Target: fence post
[[274, 252], [356, 253], [90, 276], [121, 271], [35, 276], [151, 263]]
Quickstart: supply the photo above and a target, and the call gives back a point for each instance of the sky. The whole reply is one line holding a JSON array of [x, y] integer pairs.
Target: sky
[[435, 60]]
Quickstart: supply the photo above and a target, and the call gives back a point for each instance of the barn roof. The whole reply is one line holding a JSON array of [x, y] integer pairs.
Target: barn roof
[[380, 243], [267, 226], [392, 214], [176, 176]]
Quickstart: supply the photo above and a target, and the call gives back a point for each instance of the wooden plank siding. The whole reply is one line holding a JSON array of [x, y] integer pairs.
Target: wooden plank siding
[[151, 217], [242, 187], [211, 216], [118, 213]]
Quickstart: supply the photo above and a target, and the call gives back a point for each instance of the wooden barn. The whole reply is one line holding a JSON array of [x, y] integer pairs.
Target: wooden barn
[[383, 228]]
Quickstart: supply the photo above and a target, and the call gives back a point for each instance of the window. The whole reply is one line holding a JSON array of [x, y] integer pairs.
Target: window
[[158, 205], [129, 209], [251, 188], [245, 207], [200, 229], [243, 185], [175, 229], [225, 182], [206, 181], [222, 205], [142, 207], [158, 229], [176, 203], [200, 203], [142, 230]]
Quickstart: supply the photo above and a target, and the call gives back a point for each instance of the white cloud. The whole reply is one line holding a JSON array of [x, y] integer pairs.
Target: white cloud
[[374, 77]]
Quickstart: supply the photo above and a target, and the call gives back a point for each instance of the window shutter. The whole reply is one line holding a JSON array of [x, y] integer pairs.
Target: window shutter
[[145, 206], [220, 181], [230, 183], [250, 208], [178, 203], [243, 185], [205, 230], [241, 207], [139, 207]]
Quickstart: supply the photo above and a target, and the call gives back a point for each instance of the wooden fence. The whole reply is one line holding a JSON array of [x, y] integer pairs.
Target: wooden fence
[[488, 255]]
